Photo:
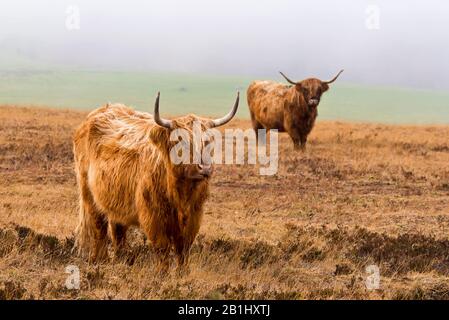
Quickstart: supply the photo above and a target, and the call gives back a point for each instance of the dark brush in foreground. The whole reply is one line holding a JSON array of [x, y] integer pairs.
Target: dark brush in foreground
[[126, 178], [291, 109]]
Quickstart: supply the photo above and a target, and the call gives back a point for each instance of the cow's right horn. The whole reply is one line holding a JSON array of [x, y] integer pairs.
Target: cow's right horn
[[292, 82], [229, 116], [157, 118], [335, 78]]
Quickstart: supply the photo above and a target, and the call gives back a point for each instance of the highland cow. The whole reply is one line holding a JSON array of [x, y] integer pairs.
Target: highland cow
[[126, 177], [287, 108]]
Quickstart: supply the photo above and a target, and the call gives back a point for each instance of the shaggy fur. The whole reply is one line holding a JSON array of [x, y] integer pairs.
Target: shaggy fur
[[126, 178], [285, 107]]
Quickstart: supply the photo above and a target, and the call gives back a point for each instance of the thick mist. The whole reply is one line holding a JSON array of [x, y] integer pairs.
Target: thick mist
[[400, 42]]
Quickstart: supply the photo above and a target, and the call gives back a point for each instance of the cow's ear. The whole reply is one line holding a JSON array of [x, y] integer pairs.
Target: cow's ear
[[324, 87], [298, 87], [160, 136]]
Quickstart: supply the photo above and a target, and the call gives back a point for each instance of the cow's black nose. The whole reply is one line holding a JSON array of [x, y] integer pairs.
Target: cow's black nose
[[314, 102], [205, 169]]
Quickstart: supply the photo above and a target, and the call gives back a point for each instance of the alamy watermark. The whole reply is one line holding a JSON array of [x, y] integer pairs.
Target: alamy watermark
[[372, 281], [72, 282], [207, 147], [73, 18], [372, 20]]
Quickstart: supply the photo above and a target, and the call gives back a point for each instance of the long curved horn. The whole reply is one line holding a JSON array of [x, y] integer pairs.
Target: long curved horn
[[335, 78], [292, 82], [157, 118], [229, 116]]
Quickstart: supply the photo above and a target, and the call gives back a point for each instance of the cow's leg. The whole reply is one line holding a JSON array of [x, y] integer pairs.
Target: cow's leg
[[154, 221], [256, 124], [156, 233], [303, 143], [182, 249], [296, 138], [118, 235], [162, 249], [100, 251], [293, 132], [92, 233], [92, 226]]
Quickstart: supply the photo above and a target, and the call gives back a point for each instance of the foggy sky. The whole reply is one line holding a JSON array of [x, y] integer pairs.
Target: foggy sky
[[246, 37]]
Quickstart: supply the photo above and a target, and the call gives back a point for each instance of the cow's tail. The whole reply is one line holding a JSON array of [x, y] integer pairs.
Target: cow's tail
[[85, 231], [84, 234]]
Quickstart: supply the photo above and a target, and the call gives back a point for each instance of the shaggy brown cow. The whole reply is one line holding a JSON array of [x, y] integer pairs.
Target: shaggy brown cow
[[291, 109], [126, 178]]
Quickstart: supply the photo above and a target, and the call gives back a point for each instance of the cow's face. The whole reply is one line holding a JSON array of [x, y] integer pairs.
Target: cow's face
[[196, 165], [311, 90], [183, 142], [182, 146]]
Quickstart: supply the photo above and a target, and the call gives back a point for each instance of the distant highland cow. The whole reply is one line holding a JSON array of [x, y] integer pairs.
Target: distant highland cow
[[291, 109], [126, 177]]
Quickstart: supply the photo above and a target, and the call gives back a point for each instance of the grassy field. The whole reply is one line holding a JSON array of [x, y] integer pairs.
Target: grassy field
[[362, 194], [212, 95]]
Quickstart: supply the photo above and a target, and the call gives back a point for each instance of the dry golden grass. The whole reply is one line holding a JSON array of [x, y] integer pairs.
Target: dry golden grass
[[362, 194]]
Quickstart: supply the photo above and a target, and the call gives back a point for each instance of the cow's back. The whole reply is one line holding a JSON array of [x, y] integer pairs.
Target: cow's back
[[266, 101]]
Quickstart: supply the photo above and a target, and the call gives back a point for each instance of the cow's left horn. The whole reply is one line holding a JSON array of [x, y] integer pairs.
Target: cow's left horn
[[292, 82], [335, 78], [157, 118], [229, 116]]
